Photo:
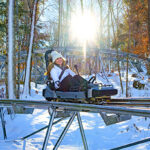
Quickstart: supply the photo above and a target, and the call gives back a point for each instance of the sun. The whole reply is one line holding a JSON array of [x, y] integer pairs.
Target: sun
[[84, 27]]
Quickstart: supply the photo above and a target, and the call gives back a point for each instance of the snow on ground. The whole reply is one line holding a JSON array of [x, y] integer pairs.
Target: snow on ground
[[99, 136]]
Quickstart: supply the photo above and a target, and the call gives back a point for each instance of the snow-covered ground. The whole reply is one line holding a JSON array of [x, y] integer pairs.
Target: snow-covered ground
[[99, 136]]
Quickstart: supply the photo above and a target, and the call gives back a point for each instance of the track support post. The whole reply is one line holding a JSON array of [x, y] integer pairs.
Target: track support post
[[3, 123], [64, 131], [82, 131], [49, 129]]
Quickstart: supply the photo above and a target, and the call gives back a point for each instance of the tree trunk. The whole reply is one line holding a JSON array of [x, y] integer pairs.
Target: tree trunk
[[116, 46], [101, 24], [101, 29], [128, 50], [16, 45], [6, 61], [26, 92], [60, 23], [66, 42], [10, 50], [149, 25], [108, 23], [148, 66]]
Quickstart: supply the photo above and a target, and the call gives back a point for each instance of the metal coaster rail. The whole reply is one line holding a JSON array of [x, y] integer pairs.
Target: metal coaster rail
[[114, 105], [135, 102], [79, 107]]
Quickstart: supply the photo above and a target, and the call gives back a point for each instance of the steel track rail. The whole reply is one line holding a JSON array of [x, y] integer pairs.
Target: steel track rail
[[76, 107], [136, 99], [137, 104]]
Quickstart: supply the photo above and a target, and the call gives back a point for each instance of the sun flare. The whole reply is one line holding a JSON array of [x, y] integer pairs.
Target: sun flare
[[84, 27]]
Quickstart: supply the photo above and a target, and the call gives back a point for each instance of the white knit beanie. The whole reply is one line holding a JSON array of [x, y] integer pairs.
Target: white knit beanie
[[56, 55]]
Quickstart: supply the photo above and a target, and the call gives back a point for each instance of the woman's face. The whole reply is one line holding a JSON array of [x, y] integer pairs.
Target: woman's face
[[59, 61]]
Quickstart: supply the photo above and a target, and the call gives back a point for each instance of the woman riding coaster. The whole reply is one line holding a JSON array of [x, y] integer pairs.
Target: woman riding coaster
[[63, 77]]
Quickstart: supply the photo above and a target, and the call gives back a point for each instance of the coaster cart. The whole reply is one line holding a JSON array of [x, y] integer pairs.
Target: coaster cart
[[94, 94]]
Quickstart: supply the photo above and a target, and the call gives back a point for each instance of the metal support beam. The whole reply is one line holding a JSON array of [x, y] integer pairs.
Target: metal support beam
[[3, 123], [82, 131], [64, 131], [25, 137], [49, 130], [132, 144]]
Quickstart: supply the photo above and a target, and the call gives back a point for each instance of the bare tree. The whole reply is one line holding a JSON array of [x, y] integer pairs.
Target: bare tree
[[116, 41], [149, 24], [18, 44], [148, 68], [60, 23], [66, 42], [28, 68], [10, 50], [101, 18], [108, 23], [129, 46]]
